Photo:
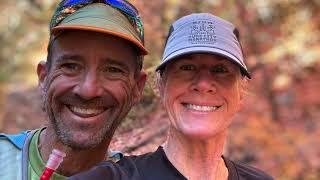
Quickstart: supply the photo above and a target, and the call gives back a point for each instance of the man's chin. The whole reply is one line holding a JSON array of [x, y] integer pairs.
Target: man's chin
[[81, 141], [81, 145]]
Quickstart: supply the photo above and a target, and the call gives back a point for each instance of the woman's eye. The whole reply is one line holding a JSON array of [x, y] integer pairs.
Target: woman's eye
[[187, 67], [219, 69]]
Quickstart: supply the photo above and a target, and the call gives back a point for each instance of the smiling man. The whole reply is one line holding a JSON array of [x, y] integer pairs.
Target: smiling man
[[90, 81]]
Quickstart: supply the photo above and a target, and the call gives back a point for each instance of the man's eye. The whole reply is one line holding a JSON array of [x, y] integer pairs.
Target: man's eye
[[113, 70], [187, 67], [71, 66], [219, 69]]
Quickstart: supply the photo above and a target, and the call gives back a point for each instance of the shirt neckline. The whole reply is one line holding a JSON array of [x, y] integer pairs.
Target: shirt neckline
[[35, 160], [232, 172]]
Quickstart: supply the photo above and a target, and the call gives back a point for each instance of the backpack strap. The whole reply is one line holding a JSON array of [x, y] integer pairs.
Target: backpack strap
[[25, 155], [12, 148], [22, 141], [114, 156], [16, 139]]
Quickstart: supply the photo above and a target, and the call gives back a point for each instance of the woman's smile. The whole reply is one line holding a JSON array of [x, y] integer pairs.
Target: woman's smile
[[201, 108]]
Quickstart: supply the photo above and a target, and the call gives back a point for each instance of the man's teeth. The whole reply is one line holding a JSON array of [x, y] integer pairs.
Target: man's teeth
[[201, 108], [86, 110]]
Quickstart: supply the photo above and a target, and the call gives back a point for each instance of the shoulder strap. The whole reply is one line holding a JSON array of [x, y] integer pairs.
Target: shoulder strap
[[25, 155], [17, 143], [114, 156], [16, 139]]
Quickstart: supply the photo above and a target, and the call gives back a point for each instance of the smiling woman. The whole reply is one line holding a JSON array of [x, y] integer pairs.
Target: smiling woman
[[202, 83], [201, 93]]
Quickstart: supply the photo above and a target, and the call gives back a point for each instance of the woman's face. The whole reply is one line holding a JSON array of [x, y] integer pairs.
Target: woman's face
[[201, 93]]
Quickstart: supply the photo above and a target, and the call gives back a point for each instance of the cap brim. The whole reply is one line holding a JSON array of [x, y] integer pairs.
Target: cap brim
[[61, 28], [210, 50]]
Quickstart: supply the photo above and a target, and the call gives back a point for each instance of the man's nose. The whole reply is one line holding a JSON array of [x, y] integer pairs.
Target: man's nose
[[203, 82], [90, 86]]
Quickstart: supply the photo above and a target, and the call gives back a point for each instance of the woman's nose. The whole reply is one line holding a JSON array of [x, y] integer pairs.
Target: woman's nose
[[203, 82]]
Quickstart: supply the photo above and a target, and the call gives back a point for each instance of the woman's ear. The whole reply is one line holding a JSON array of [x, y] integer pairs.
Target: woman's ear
[[243, 91], [159, 84], [241, 102]]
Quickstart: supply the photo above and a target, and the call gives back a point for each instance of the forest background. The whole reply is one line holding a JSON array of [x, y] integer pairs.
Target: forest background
[[278, 130]]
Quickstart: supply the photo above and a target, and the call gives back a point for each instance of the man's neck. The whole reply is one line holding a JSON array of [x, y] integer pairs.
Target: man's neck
[[76, 160]]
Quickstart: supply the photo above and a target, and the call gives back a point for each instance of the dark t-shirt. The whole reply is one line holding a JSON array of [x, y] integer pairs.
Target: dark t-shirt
[[156, 166]]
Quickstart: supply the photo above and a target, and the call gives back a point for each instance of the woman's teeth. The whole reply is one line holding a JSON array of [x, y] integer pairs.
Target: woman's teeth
[[201, 108]]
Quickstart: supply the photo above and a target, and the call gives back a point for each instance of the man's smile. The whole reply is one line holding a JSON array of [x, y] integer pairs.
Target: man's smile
[[86, 111]]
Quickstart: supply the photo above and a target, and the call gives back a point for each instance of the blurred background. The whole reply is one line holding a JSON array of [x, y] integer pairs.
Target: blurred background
[[278, 130]]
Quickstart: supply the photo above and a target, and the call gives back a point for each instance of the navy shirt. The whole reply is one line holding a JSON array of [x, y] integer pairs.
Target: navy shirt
[[156, 166]]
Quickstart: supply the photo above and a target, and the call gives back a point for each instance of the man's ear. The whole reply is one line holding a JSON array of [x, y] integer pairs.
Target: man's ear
[[42, 74], [140, 83]]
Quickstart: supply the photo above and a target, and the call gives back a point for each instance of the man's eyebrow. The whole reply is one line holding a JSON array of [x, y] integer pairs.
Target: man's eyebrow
[[117, 62], [65, 57]]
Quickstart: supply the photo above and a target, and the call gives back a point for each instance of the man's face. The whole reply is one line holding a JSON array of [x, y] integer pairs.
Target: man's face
[[201, 93], [89, 87]]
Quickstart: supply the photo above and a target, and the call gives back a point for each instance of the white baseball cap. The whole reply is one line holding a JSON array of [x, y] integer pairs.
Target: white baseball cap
[[204, 33]]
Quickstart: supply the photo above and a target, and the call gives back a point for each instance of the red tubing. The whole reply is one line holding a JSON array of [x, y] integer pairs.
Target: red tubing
[[47, 173]]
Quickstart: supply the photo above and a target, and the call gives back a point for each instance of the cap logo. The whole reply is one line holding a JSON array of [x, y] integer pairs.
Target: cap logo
[[202, 32]]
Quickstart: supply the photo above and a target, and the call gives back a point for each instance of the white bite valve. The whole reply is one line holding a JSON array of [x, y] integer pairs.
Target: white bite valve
[[55, 158]]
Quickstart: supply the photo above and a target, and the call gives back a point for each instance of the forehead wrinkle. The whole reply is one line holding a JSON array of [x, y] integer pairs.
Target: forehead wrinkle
[[67, 56], [193, 56], [213, 56]]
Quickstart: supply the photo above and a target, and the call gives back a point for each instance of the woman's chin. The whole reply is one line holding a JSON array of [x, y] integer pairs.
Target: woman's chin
[[201, 133]]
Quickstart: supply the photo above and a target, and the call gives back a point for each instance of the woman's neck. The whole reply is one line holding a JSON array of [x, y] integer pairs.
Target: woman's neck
[[197, 158]]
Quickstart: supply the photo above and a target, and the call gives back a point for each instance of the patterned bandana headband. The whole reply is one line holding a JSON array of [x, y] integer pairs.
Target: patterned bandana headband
[[68, 7]]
